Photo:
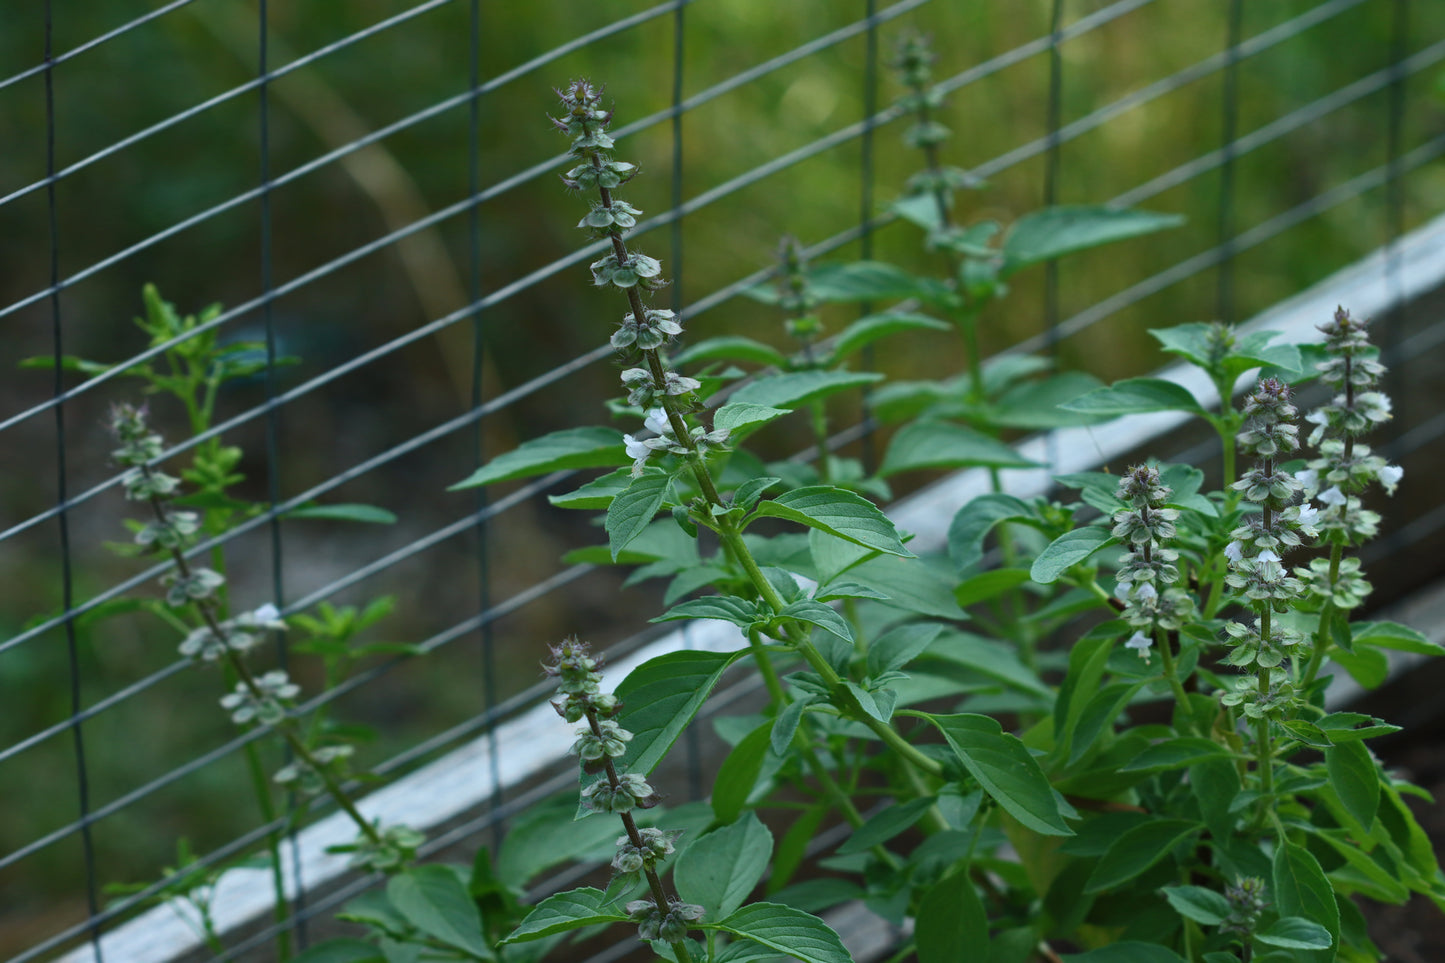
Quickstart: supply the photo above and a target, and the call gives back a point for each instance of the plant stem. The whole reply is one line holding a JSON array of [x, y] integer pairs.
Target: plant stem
[[1322, 633], [1171, 674], [769, 673]]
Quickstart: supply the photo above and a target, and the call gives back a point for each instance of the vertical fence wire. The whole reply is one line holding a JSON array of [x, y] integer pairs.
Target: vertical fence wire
[[67, 583], [1053, 160], [1224, 286], [868, 449]]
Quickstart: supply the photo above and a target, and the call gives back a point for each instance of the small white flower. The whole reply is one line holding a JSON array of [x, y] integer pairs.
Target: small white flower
[[656, 422], [1266, 556], [1310, 478], [1318, 417], [1332, 496], [1234, 551], [267, 613], [636, 450], [1140, 643], [1145, 590], [1390, 476], [1309, 516]]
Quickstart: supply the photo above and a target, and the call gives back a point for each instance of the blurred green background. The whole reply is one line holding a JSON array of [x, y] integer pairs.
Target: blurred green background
[[114, 207]]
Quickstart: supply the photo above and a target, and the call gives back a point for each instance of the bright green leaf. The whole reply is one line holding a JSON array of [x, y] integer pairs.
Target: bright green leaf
[[569, 448], [1005, 769], [739, 772], [797, 388], [1294, 933], [435, 901], [1393, 635], [730, 348], [974, 521], [633, 509], [899, 646], [1068, 550], [1301, 889], [1055, 231], [596, 494], [742, 419], [1137, 849], [571, 910], [1198, 904], [837, 512], [1356, 779], [724, 608], [868, 329], [1137, 396], [344, 512], [661, 696], [823, 616], [719, 870], [943, 444], [790, 931], [950, 917]]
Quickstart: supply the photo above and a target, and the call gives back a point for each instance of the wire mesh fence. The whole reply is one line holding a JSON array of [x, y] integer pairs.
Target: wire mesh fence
[[368, 191]]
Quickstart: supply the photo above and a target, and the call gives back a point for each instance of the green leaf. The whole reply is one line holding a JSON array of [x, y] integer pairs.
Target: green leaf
[[943, 444], [1215, 784], [1127, 951], [1393, 635], [1088, 658], [974, 521], [1137, 849], [993, 659], [790, 931], [1367, 665], [1356, 779], [633, 510], [1301, 889], [719, 870], [823, 616], [545, 835], [596, 494], [1341, 727], [797, 388], [989, 585], [884, 826], [1036, 405], [571, 910], [1294, 933], [659, 699], [738, 775], [1098, 714], [861, 281], [1051, 233], [748, 492], [1005, 769], [1137, 396], [1174, 754], [569, 448], [742, 419], [950, 917], [345, 513], [1196, 903], [435, 901], [899, 646], [868, 329], [724, 608], [1068, 550], [340, 951], [731, 348], [838, 512]]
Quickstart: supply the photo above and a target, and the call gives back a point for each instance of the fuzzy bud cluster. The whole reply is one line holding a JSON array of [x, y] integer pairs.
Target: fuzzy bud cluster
[[276, 692], [913, 61], [655, 924], [657, 845], [1147, 570]]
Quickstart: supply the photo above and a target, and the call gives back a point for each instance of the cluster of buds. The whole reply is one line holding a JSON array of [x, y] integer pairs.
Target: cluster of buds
[[795, 295], [1246, 905], [663, 439], [384, 850], [913, 60], [655, 924], [1147, 573], [309, 776], [652, 384], [266, 704], [1346, 467]]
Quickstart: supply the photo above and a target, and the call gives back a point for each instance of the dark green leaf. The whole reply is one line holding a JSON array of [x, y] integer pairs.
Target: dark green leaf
[[837, 512], [569, 448], [1099, 713], [435, 900], [790, 931], [571, 910], [974, 521], [1035, 405], [1393, 635], [719, 870], [884, 826], [1294, 933], [993, 659], [899, 646], [1068, 550], [730, 348], [725, 608], [1137, 850], [1215, 784], [868, 329], [748, 492], [823, 616], [1005, 769], [911, 584], [741, 419], [1356, 779], [739, 772], [659, 699], [989, 585], [344, 513], [1088, 659], [340, 951], [950, 917], [596, 494], [1174, 754], [943, 444], [786, 724], [793, 848], [542, 836], [1127, 951], [1367, 665], [797, 388], [633, 510], [1198, 904], [1137, 396], [1055, 231], [1301, 889], [1349, 726]]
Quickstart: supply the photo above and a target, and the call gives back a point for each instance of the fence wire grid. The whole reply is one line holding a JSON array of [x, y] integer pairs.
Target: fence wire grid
[[370, 192]]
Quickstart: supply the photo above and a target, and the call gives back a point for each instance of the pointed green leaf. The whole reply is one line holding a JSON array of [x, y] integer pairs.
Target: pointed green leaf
[[1350, 726], [725, 608], [1393, 635], [1301, 889], [1137, 849], [989, 585], [1196, 903], [571, 910], [1127, 951], [950, 917], [741, 419], [943, 444], [789, 931], [1356, 779], [1055, 231], [786, 724], [545, 835], [569, 448], [975, 520], [1294, 933], [1215, 784], [748, 492], [868, 329], [340, 951], [719, 870], [884, 826], [435, 901], [1005, 769], [899, 646], [739, 772], [861, 281], [661, 696], [838, 512], [596, 494], [344, 512], [730, 348], [634, 509], [1068, 550], [1137, 396], [823, 616], [797, 388], [913, 585], [1174, 754], [1036, 405]]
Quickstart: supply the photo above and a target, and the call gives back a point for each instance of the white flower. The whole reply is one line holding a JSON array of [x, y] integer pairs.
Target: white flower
[[1145, 590], [1310, 479], [657, 422], [1318, 417], [1266, 556], [1234, 551], [1332, 496], [1309, 516], [637, 451], [1390, 476], [1140, 643], [265, 617]]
